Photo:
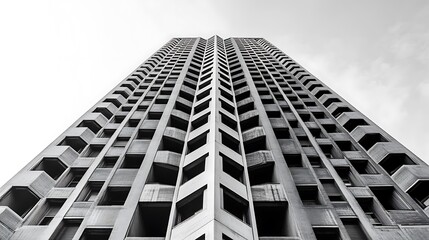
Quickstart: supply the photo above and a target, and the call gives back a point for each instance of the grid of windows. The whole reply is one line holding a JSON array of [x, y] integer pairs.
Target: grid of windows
[[231, 130]]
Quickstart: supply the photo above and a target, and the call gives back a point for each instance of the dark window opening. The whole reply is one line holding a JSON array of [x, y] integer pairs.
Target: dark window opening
[[230, 142], [132, 161], [293, 160], [332, 190], [150, 220], [304, 141], [228, 121], [232, 168], [363, 167], [145, 133], [200, 121], [271, 219], [344, 173], [48, 211], [340, 110], [197, 142], [330, 101], [255, 144], [261, 174], [202, 106], [389, 198], [54, 167], [353, 123], [282, 133], [227, 106], [330, 128], [108, 162], [317, 133], [354, 229], [115, 196], [346, 146], [309, 194], [195, 168], [67, 230], [171, 144], [178, 123], [72, 178], [92, 151], [154, 115], [91, 125], [224, 237], [367, 207], [371, 139], [14, 200], [249, 123], [190, 206], [419, 192], [235, 205], [90, 192], [163, 174], [327, 233], [315, 161], [393, 161], [74, 142], [104, 111], [96, 234]]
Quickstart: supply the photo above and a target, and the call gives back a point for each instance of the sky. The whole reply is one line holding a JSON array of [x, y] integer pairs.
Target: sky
[[58, 58]]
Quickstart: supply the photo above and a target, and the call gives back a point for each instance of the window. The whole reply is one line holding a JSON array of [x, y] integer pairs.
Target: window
[[150, 220], [353, 123], [92, 151], [393, 161], [145, 133], [90, 192], [54, 167], [194, 168], [234, 204], [74, 142], [367, 207], [49, 210], [332, 190], [327, 233], [230, 142], [132, 161], [197, 142], [72, 178], [363, 167], [309, 194], [13, 199], [232, 168], [67, 230], [389, 198], [354, 229], [115, 196], [371, 139], [190, 205], [271, 219], [108, 162], [96, 234], [91, 125], [345, 145], [163, 174], [293, 160], [419, 192]]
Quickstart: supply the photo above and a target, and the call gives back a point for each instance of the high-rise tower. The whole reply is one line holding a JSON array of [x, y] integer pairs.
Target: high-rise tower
[[220, 139]]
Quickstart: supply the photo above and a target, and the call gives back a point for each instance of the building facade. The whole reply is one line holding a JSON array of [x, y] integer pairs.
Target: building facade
[[220, 139]]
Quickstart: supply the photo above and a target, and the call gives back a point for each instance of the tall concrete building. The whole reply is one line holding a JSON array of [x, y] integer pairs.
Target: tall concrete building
[[220, 139]]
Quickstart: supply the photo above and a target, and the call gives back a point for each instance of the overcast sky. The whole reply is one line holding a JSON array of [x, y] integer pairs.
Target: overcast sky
[[58, 58]]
